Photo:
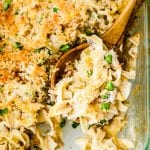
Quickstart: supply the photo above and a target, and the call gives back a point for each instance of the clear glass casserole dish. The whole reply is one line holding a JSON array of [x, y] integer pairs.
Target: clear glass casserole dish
[[138, 126]]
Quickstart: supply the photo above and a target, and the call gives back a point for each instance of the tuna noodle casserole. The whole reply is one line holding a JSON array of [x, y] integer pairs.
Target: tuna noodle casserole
[[33, 36], [93, 93]]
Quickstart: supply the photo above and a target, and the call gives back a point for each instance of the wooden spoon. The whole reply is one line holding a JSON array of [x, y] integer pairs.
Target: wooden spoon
[[111, 37]]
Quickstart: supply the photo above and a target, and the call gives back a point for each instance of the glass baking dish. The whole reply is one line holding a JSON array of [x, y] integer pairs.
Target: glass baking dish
[[138, 127]]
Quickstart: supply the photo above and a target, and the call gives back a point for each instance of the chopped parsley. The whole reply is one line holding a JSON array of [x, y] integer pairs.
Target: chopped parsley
[[38, 50], [41, 62], [65, 48], [18, 45], [63, 122], [105, 96], [55, 9], [50, 52], [75, 124], [1, 88], [91, 125], [1, 49], [3, 111], [108, 58], [89, 73], [45, 49], [52, 103], [4, 44], [6, 4], [45, 88], [17, 12], [101, 123], [88, 32], [105, 106], [110, 86]]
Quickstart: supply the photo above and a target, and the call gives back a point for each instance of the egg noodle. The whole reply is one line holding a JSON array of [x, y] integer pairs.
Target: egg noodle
[[96, 95]]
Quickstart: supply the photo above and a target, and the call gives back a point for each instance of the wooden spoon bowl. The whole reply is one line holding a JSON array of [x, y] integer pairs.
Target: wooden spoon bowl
[[70, 55], [110, 38]]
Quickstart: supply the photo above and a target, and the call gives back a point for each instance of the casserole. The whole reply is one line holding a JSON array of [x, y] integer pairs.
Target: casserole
[[138, 127]]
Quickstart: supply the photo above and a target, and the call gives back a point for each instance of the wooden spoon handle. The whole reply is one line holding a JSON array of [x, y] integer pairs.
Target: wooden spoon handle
[[112, 36]]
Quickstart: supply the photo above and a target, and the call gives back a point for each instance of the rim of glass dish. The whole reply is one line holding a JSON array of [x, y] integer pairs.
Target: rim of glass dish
[[147, 48]]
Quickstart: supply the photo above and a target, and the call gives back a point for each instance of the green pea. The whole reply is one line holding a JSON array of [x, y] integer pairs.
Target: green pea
[[3, 111], [65, 48], [105, 106], [110, 86], [6, 4], [108, 58], [55, 9]]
